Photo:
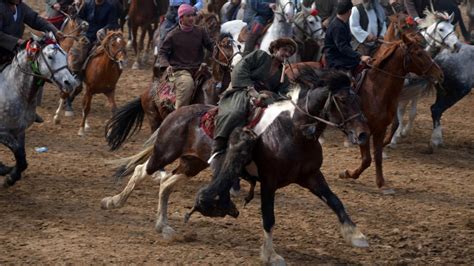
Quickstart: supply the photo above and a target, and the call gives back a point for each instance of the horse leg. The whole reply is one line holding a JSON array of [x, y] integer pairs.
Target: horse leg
[[400, 113], [130, 35], [267, 252], [57, 118], [378, 156], [365, 163], [141, 47], [68, 104], [86, 107], [119, 200], [188, 167], [411, 117], [318, 186], [135, 65], [111, 99], [17, 146]]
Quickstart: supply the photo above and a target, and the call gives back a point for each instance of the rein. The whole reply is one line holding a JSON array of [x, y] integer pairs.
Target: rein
[[441, 43], [227, 64], [111, 56], [282, 12], [303, 29]]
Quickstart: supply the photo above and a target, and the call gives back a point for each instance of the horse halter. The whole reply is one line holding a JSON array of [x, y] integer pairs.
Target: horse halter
[[282, 12], [306, 26], [113, 56], [228, 60], [36, 73], [434, 40]]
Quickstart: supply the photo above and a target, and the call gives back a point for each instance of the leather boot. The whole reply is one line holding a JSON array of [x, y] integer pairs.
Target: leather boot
[[219, 145], [251, 42]]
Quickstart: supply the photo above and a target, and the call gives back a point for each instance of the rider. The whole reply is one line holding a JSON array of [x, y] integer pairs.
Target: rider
[[256, 71], [393, 6], [171, 18], [14, 14], [182, 53], [337, 45], [367, 24], [231, 10], [100, 14], [257, 14]]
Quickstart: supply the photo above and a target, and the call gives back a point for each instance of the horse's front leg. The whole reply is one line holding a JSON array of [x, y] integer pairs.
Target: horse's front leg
[[378, 156], [365, 163], [57, 114], [268, 254], [411, 118], [86, 108], [111, 98], [318, 186], [17, 146]]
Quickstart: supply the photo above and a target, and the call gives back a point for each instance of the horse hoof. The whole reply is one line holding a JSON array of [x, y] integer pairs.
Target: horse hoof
[[68, 113], [136, 66], [321, 140], [129, 45], [107, 203], [387, 191], [81, 132], [344, 174], [273, 259], [234, 192], [6, 182], [354, 236], [57, 121], [385, 155], [168, 233]]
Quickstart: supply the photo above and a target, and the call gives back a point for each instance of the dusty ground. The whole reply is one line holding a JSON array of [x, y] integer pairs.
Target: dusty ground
[[53, 214]]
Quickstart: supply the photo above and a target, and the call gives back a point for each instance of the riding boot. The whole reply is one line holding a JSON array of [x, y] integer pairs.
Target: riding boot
[[219, 145], [251, 42]]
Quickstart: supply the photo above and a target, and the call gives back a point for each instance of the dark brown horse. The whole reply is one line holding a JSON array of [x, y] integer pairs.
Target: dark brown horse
[[143, 14], [287, 151], [379, 93], [129, 118], [102, 73]]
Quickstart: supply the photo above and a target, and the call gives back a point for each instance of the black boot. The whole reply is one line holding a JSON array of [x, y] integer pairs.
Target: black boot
[[250, 43], [219, 145], [38, 119]]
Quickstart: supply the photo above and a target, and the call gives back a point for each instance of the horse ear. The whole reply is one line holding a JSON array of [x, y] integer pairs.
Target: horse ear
[[451, 18]]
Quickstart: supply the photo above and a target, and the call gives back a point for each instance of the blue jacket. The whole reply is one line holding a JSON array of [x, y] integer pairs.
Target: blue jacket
[[98, 17]]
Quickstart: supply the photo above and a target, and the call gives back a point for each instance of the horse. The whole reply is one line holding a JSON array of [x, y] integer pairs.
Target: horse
[[129, 118], [102, 73], [308, 33], [379, 91], [143, 14], [280, 27], [43, 59], [319, 97], [438, 31]]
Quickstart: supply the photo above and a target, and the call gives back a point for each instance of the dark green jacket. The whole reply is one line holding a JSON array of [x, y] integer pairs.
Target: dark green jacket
[[254, 70]]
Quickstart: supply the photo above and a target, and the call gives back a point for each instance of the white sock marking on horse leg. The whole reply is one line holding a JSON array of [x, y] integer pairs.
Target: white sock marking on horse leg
[[57, 118], [354, 236], [437, 136], [166, 188], [119, 200], [411, 117], [268, 254]]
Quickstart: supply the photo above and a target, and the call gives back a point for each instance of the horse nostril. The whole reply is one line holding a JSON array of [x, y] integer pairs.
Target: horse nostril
[[362, 138], [67, 83]]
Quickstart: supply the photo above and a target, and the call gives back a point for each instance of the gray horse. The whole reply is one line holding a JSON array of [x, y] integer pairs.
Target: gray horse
[[41, 60]]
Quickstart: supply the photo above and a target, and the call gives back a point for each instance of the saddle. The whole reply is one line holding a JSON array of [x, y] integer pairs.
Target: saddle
[[207, 122], [244, 32], [164, 93]]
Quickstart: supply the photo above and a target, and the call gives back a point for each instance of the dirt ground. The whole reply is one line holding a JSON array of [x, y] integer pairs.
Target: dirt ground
[[53, 214]]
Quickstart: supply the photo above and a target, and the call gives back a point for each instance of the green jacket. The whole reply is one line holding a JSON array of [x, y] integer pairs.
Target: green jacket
[[254, 70]]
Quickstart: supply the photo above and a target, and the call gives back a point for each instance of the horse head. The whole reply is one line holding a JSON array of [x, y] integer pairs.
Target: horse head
[[308, 25], [439, 32], [417, 60], [115, 47], [400, 23], [49, 62], [210, 22], [223, 52], [284, 10]]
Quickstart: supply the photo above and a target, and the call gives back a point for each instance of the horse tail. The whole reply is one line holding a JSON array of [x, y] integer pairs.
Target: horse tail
[[124, 123], [127, 165], [416, 88]]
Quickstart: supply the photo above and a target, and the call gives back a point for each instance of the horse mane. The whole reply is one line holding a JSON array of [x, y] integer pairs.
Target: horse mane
[[384, 53], [224, 35], [315, 78], [101, 48], [433, 17]]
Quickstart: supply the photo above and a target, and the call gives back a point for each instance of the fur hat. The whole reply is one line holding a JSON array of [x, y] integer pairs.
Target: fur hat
[[282, 42], [185, 9]]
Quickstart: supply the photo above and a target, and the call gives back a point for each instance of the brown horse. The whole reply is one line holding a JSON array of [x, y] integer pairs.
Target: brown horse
[[380, 90], [102, 73], [215, 6], [143, 14], [296, 158], [129, 118]]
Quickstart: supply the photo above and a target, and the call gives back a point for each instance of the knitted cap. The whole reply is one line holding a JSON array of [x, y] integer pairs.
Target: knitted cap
[[185, 9]]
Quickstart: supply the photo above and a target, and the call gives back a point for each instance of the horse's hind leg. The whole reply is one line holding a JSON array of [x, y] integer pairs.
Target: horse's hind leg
[[57, 115], [365, 163], [188, 167], [119, 200], [17, 146], [111, 99], [411, 118], [398, 129], [318, 186]]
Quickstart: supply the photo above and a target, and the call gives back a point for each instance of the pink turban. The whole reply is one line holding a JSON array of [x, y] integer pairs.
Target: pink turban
[[185, 9]]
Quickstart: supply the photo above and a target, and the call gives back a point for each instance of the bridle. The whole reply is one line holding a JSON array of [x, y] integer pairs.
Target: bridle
[[282, 12], [228, 60], [35, 67], [329, 100], [434, 40], [113, 56], [306, 34]]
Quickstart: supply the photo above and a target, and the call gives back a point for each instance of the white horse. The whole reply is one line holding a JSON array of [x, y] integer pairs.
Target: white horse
[[439, 33], [281, 27], [43, 59]]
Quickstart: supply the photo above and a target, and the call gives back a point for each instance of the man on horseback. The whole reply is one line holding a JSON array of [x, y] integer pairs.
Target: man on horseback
[[14, 14], [182, 53], [101, 15], [367, 24], [255, 72], [171, 18], [257, 14], [55, 10], [337, 45]]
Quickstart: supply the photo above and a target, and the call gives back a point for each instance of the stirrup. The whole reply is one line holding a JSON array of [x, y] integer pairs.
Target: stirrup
[[214, 155]]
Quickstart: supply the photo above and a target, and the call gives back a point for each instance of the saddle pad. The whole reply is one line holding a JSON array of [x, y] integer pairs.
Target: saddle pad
[[207, 122]]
